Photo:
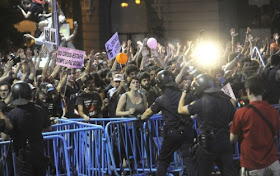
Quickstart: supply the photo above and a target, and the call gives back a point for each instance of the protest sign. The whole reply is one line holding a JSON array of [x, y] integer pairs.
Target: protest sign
[[113, 46], [69, 57], [228, 90], [50, 35]]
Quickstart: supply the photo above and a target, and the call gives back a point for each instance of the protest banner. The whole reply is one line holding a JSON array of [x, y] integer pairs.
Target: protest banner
[[228, 90], [113, 46], [69, 57], [50, 35]]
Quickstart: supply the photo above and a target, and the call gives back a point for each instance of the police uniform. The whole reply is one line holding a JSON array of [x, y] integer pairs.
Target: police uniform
[[177, 134], [214, 113], [28, 121]]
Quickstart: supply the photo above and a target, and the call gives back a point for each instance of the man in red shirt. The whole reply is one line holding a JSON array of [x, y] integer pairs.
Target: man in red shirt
[[258, 150]]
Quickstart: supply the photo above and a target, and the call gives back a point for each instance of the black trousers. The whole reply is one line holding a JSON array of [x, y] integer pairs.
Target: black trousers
[[218, 152], [174, 140], [30, 163]]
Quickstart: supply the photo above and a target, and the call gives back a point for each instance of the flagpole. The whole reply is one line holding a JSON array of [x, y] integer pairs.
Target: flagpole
[[55, 23]]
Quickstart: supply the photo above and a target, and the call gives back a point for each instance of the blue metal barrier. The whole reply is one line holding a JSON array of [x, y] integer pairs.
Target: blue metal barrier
[[113, 146], [133, 147], [124, 146], [85, 145], [9, 165], [96, 121]]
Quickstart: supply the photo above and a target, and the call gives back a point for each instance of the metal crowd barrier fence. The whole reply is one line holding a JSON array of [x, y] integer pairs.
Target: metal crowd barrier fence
[[133, 147], [125, 146], [153, 128], [96, 121], [85, 147], [105, 146], [7, 156]]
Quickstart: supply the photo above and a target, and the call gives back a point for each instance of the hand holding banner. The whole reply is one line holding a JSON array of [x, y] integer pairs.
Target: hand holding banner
[[113, 46]]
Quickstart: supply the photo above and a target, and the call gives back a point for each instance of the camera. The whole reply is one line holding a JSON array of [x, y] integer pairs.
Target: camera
[[15, 58]]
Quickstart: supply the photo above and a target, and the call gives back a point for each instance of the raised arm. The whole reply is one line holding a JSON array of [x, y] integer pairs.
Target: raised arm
[[89, 63], [233, 63], [233, 36], [129, 50], [25, 70], [31, 65], [182, 109], [26, 15], [55, 72], [159, 60], [53, 63], [61, 87], [182, 72], [276, 37], [46, 67], [73, 35]]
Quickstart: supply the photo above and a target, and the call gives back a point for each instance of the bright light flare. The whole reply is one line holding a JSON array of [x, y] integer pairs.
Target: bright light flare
[[124, 4], [206, 54]]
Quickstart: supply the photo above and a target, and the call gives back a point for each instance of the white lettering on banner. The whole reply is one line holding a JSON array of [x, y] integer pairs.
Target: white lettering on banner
[[228, 91], [50, 34], [113, 46]]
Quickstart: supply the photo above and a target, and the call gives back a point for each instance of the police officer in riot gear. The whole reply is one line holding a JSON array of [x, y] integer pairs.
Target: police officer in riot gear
[[27, 123], [178, 132], [214, 113]]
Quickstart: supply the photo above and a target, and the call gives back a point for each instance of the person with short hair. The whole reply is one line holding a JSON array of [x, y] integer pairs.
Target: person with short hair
[[146, 89], [258, 149], [132, 103], [131, 71], [89, 101], [5, 92]]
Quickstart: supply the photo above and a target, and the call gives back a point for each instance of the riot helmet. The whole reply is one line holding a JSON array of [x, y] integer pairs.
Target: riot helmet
[[165, 79], [21, 93], [204, 84]]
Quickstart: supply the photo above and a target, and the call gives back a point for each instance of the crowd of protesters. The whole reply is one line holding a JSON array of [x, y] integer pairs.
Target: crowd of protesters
[[104, 88]]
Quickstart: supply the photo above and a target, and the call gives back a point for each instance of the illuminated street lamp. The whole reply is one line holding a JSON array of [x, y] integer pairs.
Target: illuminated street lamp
[[137, 2], [124, 4]]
